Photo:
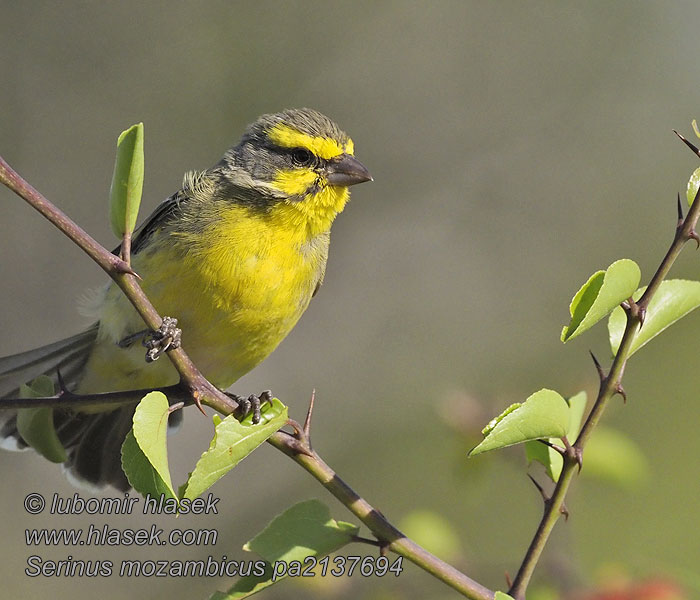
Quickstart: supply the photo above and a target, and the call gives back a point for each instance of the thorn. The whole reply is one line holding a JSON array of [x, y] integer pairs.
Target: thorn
[[573, 452], [363, 540], [601, 373], [680, 210], [121, 266], [307, 420], [634, 310], [687, 143], [620, 390], [693, 235], [297, 441], [540, 489], [298, 446], [380, 513], [62, 389], [554, 447], [298, 430], [198, 402], [509, 581], [641, 315], [173, 407], [564, 511]]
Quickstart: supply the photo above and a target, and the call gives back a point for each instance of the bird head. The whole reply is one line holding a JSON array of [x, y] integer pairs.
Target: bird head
[[296, 165]]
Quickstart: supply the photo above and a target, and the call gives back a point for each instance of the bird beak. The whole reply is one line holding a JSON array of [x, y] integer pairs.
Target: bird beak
[[346, 170]]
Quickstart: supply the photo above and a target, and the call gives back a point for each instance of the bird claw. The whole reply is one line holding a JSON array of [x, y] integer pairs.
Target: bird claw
[[166, 337], [252, 403]]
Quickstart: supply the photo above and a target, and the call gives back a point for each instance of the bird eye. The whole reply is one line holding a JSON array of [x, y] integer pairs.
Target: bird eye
[[302, 156]]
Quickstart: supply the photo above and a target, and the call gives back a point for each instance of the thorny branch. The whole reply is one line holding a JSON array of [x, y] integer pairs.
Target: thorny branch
[[297, 446], [610, 384]]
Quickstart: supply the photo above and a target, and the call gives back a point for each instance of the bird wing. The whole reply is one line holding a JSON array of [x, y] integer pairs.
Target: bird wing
[[66, 355]]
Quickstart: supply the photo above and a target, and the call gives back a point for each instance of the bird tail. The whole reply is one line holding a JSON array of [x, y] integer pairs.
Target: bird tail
[[92, 440]]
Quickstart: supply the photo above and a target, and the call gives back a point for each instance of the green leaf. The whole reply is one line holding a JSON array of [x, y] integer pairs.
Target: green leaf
[[551, 459], [692, 189], [140, 472], [491, 425], [602, 292], [545, 414], [502, 596], [432, 531], [673, 300], [247, 586], [35, 425], [151, 431], [612, 456], [305, 529], [127, 181], [232, 442]]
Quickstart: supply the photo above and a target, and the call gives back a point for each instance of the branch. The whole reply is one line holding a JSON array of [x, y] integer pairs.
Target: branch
[[610, 385], [67, 399], [195, 388], [388, 535], [201, 390]]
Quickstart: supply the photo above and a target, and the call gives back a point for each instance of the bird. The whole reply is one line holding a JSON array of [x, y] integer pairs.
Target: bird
[[236, 255]]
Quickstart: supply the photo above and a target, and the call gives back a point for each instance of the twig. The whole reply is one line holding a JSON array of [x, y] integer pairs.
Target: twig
[[610, 385], [362, 540], [309, 413], [296, 446], [67, 399], [202, 391], [377, 523], [125, 248]]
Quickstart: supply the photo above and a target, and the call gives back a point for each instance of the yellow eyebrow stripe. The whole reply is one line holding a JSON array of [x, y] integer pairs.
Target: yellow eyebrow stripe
[[323, 147]]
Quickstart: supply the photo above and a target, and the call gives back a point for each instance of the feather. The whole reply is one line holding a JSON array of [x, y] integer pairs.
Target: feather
[[65, 354]]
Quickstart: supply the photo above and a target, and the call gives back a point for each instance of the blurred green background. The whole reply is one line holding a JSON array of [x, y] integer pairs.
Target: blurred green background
[[516, 148]]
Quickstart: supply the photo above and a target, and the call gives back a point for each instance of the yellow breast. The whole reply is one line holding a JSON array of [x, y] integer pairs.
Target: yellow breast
[[237, 289]]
